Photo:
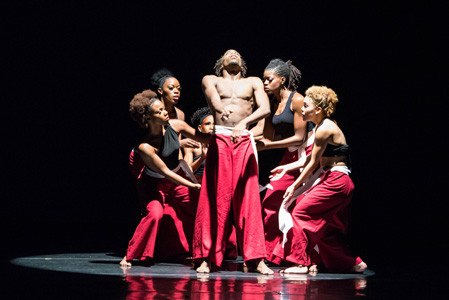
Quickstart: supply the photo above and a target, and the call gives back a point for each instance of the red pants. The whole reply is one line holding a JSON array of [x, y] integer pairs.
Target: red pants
[[168, 219], [272, 202], [230, 189], [231, 246], [320, 217]]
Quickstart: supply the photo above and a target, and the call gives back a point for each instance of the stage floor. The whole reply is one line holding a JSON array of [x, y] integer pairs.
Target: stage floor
[[180, 281]]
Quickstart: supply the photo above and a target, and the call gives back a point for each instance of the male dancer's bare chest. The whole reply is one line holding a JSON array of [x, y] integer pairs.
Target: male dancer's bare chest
[[235, 90]]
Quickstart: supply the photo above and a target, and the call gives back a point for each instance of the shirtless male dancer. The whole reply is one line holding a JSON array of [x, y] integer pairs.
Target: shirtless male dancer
[[230, 191]]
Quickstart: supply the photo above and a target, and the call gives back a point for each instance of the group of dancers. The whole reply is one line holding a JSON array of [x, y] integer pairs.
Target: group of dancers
[[199, 187]]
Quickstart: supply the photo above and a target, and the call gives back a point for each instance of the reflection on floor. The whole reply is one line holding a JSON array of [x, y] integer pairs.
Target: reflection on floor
[[180, 281]]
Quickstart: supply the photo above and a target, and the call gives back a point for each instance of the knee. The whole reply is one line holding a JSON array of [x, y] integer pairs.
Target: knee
[[155, 210]]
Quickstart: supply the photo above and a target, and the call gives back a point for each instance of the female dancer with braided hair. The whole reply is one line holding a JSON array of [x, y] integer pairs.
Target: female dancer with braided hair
[[320, 215], [162, 184], [285, 128]]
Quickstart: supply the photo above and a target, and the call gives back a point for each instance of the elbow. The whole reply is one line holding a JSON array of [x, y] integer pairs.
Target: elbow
[[265, 112], [299, 138]]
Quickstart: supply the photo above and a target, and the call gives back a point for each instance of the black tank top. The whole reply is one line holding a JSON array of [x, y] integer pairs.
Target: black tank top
[[283, 123], [169, 150], [200, 170]]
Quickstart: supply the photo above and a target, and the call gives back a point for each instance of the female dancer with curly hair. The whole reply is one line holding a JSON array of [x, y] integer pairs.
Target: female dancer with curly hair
[[162, 184], [320, 215]]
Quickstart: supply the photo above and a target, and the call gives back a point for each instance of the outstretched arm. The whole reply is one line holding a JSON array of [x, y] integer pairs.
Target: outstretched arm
[[186, 130], [321, 140], [155, 163]]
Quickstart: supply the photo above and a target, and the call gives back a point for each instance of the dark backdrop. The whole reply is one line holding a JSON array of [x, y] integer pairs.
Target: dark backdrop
[[72, 68]]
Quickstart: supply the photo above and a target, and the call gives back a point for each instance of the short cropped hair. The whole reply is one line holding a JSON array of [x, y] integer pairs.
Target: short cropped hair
[[199, 115]]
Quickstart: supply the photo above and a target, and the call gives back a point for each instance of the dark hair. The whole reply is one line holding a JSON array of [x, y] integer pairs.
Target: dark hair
[[199, 115], [219, 63], [285, 69], [159, 77], [140, 107]]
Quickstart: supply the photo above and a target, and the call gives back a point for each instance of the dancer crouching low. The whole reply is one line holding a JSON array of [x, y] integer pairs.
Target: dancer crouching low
[[320, 215], [162, 187]]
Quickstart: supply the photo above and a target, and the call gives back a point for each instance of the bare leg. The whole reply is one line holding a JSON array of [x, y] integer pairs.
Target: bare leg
[[204, 267], [296, 269], [360, 268], [125, 263]]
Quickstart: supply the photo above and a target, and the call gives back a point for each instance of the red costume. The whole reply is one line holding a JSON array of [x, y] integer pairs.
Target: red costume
[[320, 217], [168, 215], [230, 193], [272, 201]]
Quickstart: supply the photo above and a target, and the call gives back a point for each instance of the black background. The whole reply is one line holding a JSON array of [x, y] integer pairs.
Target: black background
[[70, 70]]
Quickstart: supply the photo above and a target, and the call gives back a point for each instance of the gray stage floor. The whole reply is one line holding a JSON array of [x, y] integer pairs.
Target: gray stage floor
[[171, 280]]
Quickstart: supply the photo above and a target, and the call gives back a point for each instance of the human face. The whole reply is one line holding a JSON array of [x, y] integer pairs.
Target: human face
[[171, 91], [309, 110], [207, 125], [272, 82], [232, 57], [159, 113]]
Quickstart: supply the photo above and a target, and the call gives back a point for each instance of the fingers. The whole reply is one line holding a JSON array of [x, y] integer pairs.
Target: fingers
[[288, 194], [226, 113], [193, 144], [236, 135], [277, 169]]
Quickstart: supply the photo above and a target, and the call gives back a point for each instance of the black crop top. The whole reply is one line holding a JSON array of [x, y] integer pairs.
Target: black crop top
[[283, 123], [333, 150]]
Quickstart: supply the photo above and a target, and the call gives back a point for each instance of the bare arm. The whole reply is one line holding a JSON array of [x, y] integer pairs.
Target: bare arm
[[263, 130], [190, 155], [186, 130], [210, 92], [322, 137], [262, 103], [155, 163], [258, 130]]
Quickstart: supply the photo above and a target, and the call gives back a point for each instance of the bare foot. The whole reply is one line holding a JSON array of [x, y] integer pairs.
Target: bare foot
[[297, 269], [203, 268], [245, 268], [263, 269], [313, 269], [360, 268], [125, 263]]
